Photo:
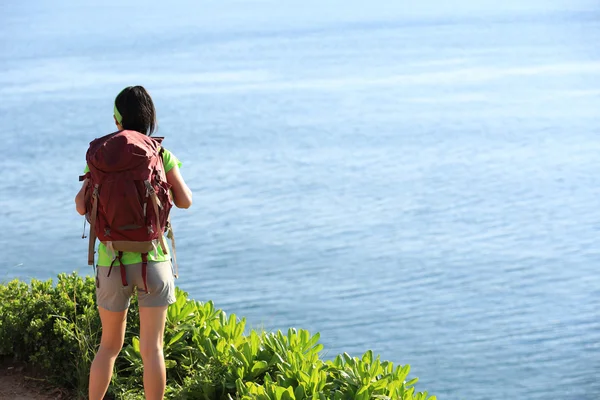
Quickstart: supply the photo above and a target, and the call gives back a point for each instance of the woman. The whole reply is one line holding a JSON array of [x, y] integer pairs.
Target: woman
[[134, 110]]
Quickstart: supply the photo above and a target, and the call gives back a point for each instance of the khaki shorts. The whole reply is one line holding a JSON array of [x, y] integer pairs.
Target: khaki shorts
[[113, 296]]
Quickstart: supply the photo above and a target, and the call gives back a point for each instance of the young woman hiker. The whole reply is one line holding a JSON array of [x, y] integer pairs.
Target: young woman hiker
[[111, 163]]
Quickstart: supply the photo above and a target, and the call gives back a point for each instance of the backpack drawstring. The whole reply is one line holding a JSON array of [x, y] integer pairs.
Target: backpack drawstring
[[122, 267]]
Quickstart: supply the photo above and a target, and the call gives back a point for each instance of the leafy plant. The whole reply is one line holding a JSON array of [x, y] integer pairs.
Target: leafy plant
[[44, 325], [207, 353]]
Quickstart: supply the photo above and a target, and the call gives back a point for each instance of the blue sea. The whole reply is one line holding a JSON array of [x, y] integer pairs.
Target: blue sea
[[422, 180]]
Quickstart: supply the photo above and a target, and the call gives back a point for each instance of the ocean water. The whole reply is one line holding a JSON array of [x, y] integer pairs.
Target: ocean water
[[422, 181]]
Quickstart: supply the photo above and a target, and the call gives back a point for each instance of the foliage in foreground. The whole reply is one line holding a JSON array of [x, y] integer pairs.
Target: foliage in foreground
[[208, 355]]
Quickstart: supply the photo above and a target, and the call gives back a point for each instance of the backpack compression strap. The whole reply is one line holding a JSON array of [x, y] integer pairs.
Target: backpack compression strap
[[171, 236], [145, 271], [92, 244], [156, 204], [123, 271]]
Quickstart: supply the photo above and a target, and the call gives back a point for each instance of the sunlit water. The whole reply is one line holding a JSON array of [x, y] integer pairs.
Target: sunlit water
[[426, 187]]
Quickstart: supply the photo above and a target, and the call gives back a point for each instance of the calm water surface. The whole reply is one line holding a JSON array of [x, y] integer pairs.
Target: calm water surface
[[422, 184]]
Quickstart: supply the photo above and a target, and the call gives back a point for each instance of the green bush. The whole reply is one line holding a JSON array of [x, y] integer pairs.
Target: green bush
[[52, 328], [207, 353]]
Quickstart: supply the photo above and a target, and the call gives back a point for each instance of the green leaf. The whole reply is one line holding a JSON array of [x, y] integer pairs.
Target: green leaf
[[288, 394], [279, 391], [241, 357], [374, 370], [349, 360], [412, 382], [402, 372], [305, 377], [368, 357], [380, 384], [135, 341], [362, 392], [300, 393], [259, 366], [176, 338]]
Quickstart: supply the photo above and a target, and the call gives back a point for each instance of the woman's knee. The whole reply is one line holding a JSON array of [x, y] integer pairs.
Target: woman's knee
[[152, 326], [113, 330], [150, 350], [111, 348]]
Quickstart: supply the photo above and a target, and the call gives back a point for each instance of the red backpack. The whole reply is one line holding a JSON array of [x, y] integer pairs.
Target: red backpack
[[127, 197]]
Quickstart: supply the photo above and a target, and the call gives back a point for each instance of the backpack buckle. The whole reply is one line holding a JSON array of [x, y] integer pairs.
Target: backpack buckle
[[149, 189]]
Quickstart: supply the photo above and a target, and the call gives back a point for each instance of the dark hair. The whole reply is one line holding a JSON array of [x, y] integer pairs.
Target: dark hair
[[137, 109]]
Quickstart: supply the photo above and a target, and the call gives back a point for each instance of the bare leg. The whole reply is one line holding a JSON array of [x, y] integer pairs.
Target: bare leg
[[152, 327], [113, 334]]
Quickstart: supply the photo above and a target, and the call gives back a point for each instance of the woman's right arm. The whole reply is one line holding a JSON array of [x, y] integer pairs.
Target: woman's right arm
[[80, 199], [182, 195]]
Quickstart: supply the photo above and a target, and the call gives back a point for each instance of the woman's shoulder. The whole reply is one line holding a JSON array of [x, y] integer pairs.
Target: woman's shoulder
[[169, 160]]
